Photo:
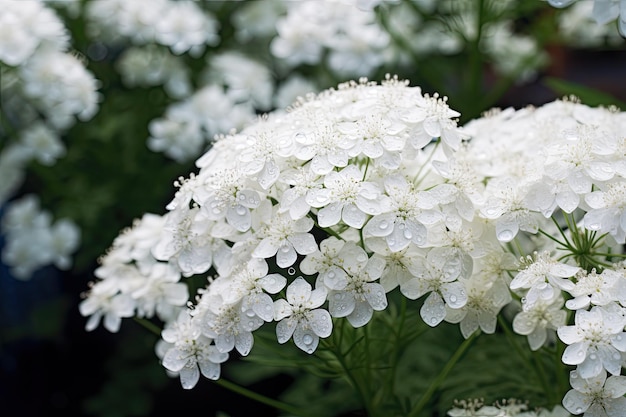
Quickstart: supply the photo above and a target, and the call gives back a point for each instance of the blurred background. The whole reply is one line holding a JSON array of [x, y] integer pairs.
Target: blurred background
[[104, 104]]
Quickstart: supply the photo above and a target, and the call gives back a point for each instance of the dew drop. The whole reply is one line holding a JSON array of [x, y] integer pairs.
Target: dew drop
[[339, 296], [291, 271], [433, 321], [383, 225], [241, 210], [361, 257], [579, 410], [307, 339], [593, 356], [284, 249], [216, 210], [242, 197], [309, 350], [580, 353], [250, 313], [407, 234], [250, 323], [453, 298], [523, 300], [505, 235], [331, 275]]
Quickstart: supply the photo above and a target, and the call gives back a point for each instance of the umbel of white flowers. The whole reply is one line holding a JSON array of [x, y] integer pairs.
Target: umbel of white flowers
[[369, 188]]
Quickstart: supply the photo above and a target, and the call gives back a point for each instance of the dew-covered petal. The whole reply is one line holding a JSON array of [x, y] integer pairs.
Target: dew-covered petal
[[282, 309], [286, 255], [454, 294], [524, 323], [273, 283], [210, 369], [537, 338], [576, 402], [285, 329], [433, 311], [317, 298], [174, 359], [225, 342], [305, 339], [353, 216], [244, 342], [239, 217], [303, 243], [321, 322], [298, 291], [575, 354], [361, 314], [591, 366], [329, 215], [340, 303], [266, 248], [615, 386], [381, 225], [335, 278], [189, 376], [375, 296]]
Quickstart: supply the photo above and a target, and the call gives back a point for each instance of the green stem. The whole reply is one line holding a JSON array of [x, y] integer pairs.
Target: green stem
[[153, 328], [296, 411], [434, 386]]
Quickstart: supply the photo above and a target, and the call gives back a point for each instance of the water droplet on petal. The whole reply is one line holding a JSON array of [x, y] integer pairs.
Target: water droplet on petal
[[241, 210], [579, 410], [433, 321], [453, 298], [307, 339], [291, 271], [383, 225], [407, 234], [505, 235], [593, 356]]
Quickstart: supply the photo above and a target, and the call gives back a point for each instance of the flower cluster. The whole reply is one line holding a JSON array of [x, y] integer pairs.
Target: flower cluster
[[45, 88], [318, 213], [32, 240], [603, 11]]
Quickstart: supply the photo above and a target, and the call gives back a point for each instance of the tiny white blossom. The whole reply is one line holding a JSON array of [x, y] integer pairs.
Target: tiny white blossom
[[299, 316], [597, 396]]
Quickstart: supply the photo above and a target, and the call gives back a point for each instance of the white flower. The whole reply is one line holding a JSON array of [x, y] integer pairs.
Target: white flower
[[435, 119], [190, 353], [43, 143], [535, 322], [409, 212], [285, 238], [183, 26], [105, 300], [437, 274], [485, 299], [596, 341], [327, 264], [597, 289], [346, 197], [360, 296], [598, 396], [227, 324], [60, 86], [543, 276], [299, 316], [607, 212]]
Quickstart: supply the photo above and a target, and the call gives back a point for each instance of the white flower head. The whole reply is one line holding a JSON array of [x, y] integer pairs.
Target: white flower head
[[300, 317], [597, 396]]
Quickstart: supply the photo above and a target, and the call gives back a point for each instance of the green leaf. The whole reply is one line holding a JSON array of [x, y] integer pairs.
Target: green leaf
[[587, 95]]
